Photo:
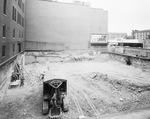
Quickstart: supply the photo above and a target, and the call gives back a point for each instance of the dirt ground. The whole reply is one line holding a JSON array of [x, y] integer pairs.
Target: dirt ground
[[97, 86]]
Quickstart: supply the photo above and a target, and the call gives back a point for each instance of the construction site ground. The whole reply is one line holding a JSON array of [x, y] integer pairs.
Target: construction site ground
[[98, 88]]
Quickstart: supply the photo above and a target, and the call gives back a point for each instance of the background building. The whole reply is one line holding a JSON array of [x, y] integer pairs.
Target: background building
[[113, 35], [142, 34], [11, 28], [55, 25]]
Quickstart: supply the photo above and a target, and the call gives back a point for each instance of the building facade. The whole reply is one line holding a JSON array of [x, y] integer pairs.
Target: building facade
[[55, 25], [141, 34], [12, 28]]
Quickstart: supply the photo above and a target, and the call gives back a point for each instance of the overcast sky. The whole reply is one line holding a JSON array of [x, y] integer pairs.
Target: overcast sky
[[124, 15]]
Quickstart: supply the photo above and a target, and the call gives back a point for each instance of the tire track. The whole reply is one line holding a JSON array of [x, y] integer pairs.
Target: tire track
[[75, 100], [90, 103]]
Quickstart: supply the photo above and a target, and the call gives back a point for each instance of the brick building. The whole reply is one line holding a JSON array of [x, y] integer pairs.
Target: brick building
[[12, 25]]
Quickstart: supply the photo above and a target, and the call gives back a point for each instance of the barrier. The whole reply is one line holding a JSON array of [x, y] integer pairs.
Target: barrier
[[130, 51]]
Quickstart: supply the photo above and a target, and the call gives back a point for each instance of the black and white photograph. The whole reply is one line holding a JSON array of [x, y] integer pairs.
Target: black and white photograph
[[74, 59]]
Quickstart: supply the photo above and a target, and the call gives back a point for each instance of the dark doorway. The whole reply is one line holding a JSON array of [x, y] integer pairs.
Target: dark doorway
[[19, 47]]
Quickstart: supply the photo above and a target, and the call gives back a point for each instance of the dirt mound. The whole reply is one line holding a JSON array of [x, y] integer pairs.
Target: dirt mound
[[115, 95], [120, 83]]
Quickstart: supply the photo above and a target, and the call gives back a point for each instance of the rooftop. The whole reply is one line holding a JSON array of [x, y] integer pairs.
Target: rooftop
[[74, 2], [138, 31]]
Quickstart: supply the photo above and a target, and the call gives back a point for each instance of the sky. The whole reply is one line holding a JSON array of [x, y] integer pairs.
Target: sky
[[124, 15]]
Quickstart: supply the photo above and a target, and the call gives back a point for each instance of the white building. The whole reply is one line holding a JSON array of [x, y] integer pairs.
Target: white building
[[142, 34]]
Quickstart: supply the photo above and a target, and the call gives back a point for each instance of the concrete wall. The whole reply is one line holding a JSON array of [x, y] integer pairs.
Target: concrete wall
[[32, 45], [144, 65], [99, 21], [147, 43], [102, 49], [63, 23], [5, 74]]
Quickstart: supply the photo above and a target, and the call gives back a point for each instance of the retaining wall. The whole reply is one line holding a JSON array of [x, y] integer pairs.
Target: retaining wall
[[136, 62], [37, 46], [5, 74]]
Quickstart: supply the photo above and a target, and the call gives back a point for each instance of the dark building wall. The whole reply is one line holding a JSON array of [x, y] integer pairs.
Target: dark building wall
[[56, 22], [6, 19], [19, 29]]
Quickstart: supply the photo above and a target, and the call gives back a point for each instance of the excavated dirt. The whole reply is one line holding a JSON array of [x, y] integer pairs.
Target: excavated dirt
[[99, 85]]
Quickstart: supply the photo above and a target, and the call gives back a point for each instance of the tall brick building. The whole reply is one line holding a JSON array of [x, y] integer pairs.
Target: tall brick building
[[12, 15]]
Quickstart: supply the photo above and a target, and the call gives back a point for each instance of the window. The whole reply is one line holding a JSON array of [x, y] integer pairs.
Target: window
[[18, 15], [19, 34], [22, 7], [19, 47], [19, 3], [19, 18], [22, 22], [4, 31], [14, 12], [3, 50], [13, 47], [4, 6], [13, 33]]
